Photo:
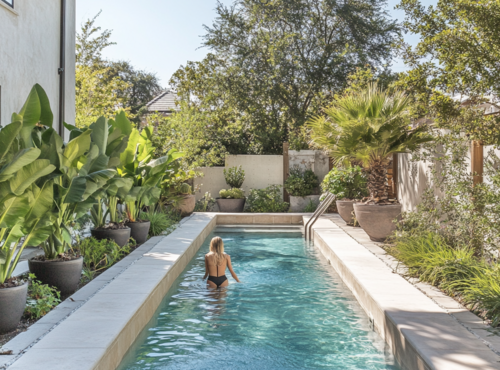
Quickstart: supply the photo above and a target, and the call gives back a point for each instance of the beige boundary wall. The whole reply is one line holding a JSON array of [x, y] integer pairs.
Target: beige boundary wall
[[261, 171]]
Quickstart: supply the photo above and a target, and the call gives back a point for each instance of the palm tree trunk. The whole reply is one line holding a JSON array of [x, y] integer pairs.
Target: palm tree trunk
[[377, 182]]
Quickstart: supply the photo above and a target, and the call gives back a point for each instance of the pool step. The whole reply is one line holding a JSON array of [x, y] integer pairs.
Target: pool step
[[259, 228]]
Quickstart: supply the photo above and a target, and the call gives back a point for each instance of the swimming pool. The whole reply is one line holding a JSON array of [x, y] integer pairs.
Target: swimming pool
[[290, 312]]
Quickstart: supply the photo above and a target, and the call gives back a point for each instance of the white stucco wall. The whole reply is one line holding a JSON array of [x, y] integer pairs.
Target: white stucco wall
[[29, 54], [314, 160], [212, 182]]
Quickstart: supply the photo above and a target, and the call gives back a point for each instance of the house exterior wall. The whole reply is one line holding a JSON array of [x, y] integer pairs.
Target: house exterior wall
[[29, 54]]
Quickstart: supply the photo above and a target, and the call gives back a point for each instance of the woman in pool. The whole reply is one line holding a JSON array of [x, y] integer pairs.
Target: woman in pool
[[216, 262]]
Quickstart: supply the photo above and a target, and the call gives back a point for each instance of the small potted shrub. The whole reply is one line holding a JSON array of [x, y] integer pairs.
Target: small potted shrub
[[268, 200], [187, 200], [234, 198], [301, 186], [349, 185]]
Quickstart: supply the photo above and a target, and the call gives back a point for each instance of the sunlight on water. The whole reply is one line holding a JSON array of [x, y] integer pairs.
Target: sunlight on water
[[290, 312]]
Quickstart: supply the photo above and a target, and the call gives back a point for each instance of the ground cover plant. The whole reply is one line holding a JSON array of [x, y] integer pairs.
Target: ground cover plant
[[346, 183], [267, 200], [41, 299], [301, 183]]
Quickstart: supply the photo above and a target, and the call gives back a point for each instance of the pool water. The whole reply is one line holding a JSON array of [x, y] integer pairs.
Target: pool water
[[291, 311]]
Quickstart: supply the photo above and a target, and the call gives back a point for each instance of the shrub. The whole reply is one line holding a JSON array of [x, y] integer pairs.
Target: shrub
[[346, 183], [301, 183], [205, 204], [161, 220], [311, 207], [234, 193], [41, 299], [100, 254], [266, 200], [235, 176]]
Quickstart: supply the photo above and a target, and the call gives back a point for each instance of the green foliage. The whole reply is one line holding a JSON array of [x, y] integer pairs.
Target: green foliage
[[234, 176], [99, 255], [455, 57], [301, 183], [162, 220], [233, 193], [367, 127], [346, 183], [185, 189], [311, 207], [41, 299], [205, 204], [267, 200]]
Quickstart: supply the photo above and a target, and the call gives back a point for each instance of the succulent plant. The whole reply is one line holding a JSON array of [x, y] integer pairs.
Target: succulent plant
[[185, 189]]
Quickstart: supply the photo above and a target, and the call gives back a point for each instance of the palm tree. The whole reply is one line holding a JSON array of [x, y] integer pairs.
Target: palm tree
[[367, 127]]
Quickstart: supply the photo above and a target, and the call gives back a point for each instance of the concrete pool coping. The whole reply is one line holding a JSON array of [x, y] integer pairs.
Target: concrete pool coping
[[102, 322], [420, 333]]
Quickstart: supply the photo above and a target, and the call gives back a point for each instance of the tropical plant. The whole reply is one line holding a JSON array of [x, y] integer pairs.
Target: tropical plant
[[233, 193], [42, 298], [234, 176], [267, 200], [346, 183], [26, 189], [301, 183], [161, 220], [368, 126]]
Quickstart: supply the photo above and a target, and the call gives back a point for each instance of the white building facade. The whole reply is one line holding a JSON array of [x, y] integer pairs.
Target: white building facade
[[37, 45]]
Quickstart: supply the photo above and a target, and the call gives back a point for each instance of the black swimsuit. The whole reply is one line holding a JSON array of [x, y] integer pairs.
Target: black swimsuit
[[217, 280]]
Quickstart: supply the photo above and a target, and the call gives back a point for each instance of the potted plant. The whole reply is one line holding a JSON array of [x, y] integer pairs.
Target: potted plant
[[368, 126], [186, 200], [348, 184], [232, 200], [301, 185], [234, 176], [24, 213]]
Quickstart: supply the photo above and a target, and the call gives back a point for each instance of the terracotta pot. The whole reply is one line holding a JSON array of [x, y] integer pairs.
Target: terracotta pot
[[231, 205], [139, 231], [12, 304], [345, 209], [119, 236], [377, 220], [63, 275], [187, 204]]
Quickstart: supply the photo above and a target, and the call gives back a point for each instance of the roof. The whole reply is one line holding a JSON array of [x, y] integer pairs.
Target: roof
[[163, 103]]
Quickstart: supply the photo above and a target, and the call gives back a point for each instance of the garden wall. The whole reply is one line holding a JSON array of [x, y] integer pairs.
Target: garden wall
[[260, 170]]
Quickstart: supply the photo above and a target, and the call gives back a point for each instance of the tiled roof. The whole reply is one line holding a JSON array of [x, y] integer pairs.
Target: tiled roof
[[163, 103]]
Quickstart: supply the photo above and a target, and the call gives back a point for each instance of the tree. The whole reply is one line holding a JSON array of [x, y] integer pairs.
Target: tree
[[271, 65], [457, 54], [367, 126], [104, 87]]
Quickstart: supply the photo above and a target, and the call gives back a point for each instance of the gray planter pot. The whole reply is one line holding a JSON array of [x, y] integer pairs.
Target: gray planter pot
[[377, 220], [139, 231], [63, 275], [298, 204], [12, 304], [345, 209], [231, 205], [119, 236], [187, 204]]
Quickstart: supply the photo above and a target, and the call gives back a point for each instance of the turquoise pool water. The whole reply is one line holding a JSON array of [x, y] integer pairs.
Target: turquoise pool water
[[291, 311]]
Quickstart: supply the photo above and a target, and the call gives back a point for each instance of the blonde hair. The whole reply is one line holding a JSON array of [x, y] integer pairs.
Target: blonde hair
[[217, 248]]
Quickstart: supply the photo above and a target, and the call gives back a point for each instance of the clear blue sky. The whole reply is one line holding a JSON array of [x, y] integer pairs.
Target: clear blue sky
[[161, 35]]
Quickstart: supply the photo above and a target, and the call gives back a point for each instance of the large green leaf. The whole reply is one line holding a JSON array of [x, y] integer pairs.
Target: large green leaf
[[35, 110], [29, 174], [121, 122], [119, 185], [129, 154], [21, 159], [13, 210], [100, 134], [76, 148], [8, 136]]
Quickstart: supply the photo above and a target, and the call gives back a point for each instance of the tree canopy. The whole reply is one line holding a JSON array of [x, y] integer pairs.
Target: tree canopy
[[271, 64]]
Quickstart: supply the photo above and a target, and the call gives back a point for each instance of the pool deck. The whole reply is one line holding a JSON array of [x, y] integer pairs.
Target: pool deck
[[95, 327]]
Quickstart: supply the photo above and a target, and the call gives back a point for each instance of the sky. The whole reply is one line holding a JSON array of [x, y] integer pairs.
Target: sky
[[161, 35]]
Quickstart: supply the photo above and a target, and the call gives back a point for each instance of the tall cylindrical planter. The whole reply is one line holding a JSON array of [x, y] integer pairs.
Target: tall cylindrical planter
[[119, 236], [346, 209], [187, 204], [12, 304], [139, 231], [231, 205], [63, 275], [377, 220]]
